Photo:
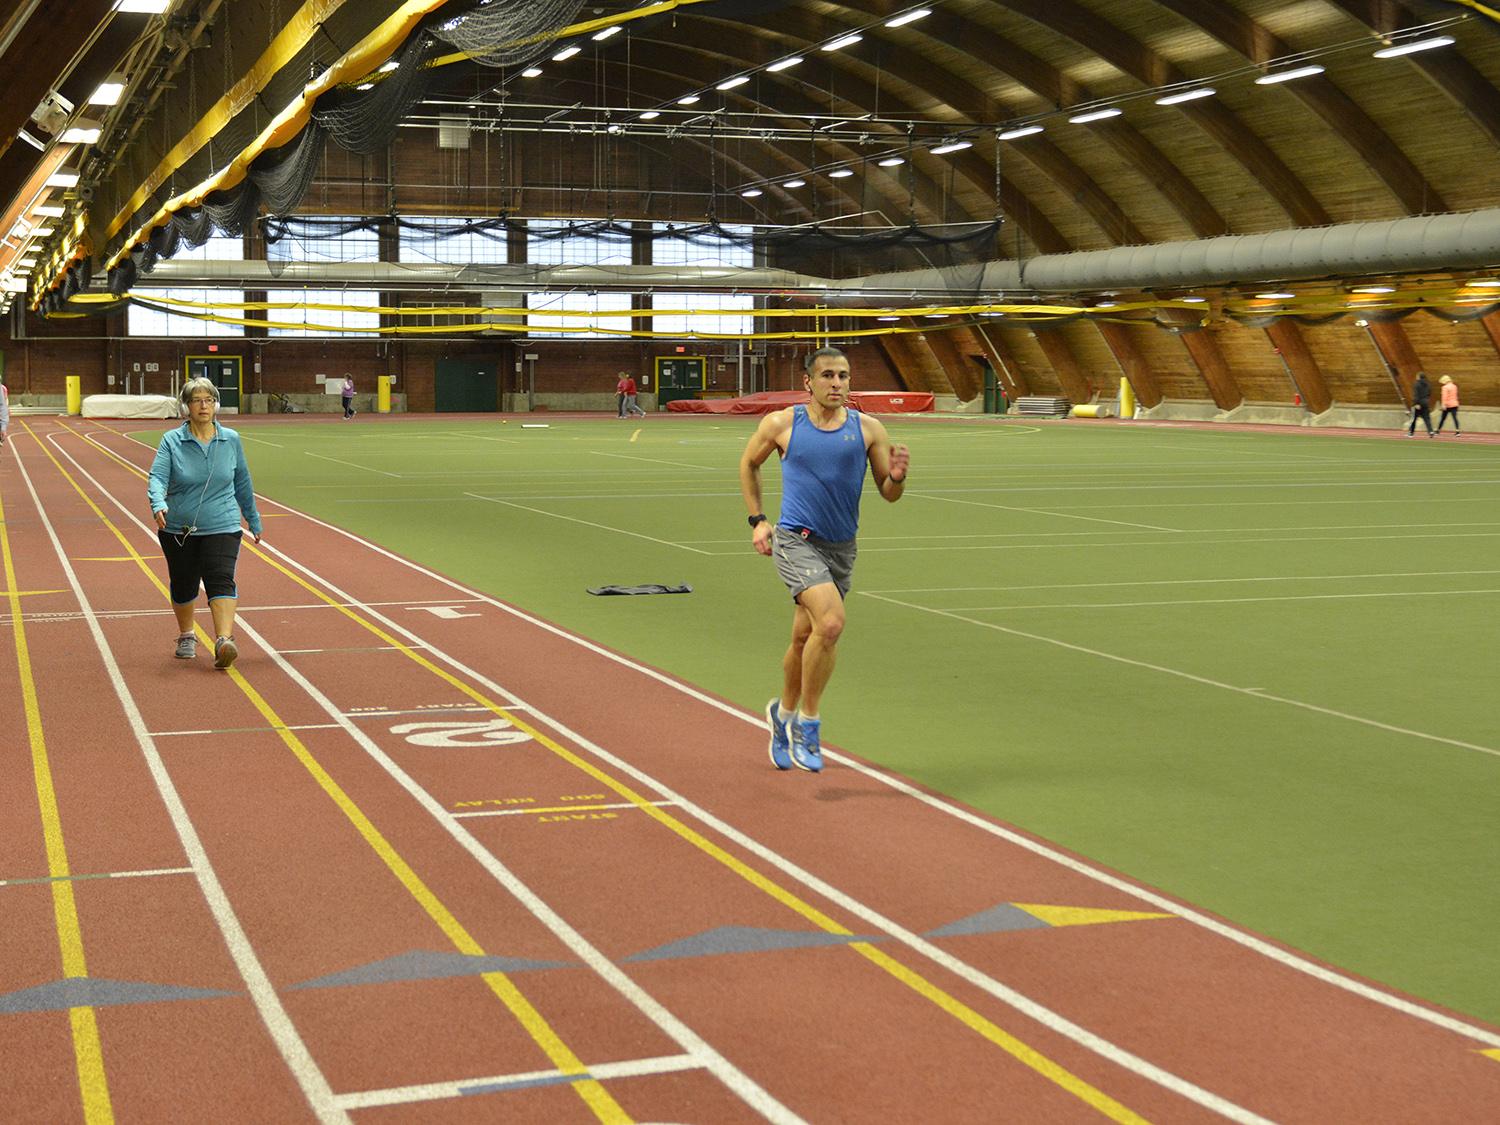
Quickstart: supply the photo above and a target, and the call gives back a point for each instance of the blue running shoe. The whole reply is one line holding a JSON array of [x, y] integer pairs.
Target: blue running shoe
[[781, 753], [807, 753]]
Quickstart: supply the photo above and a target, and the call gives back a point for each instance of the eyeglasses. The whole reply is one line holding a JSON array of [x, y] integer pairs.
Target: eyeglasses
[[200, 400]]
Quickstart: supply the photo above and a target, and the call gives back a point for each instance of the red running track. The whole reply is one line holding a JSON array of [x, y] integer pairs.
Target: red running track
[[424, 857]]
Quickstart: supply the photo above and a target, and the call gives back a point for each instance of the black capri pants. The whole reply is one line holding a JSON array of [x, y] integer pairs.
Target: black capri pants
[[206, 560]]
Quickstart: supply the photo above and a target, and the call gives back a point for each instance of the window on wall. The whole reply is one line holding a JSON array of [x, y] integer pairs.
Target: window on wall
[[545, 249], [722, 313], [422, 242], [151, 322], [341, 309]]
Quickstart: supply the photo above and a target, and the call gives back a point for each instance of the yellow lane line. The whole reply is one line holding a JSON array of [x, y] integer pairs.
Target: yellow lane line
[[87, 1052], [1025, 1054], [635, 435], [29, 593], [593, 1093]]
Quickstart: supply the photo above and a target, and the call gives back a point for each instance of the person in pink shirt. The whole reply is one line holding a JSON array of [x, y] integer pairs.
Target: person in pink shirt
[[4, 412], [1450, 404]]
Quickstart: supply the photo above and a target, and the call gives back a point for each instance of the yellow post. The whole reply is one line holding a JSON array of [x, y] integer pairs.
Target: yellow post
[[1127, 398], [75, 394], [382, 394]]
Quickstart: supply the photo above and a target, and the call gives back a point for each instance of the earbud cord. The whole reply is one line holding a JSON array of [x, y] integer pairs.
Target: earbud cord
[[193, 523]]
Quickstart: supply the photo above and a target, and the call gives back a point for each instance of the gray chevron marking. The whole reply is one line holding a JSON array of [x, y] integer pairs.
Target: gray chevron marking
[[423, 964], [743, 939], [991, 921], [88, 992]]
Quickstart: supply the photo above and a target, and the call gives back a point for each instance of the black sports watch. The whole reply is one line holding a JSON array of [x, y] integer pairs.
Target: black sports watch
[[756, 519]]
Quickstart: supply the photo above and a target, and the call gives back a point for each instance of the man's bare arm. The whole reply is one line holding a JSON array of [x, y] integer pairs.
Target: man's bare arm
[[888, 462]]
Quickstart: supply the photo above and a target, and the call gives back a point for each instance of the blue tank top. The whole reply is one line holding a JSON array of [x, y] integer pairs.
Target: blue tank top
[[822, 475]]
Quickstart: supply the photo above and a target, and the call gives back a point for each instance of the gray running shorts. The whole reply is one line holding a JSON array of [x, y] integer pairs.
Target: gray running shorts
[[808, 561]]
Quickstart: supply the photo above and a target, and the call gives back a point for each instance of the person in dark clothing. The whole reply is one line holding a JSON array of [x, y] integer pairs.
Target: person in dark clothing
[[1421, 400]]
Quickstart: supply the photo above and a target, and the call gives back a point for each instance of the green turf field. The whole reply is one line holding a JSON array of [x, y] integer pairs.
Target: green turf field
[[1254, 670]]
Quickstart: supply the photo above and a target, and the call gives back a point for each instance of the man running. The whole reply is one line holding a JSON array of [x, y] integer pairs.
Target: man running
[[824, 447]]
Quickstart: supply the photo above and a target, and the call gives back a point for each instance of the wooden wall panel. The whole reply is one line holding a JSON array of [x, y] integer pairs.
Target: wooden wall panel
[[1028, 361]]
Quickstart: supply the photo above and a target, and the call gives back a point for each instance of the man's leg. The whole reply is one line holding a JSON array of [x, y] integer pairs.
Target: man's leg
[[791, 663], [825, 612]]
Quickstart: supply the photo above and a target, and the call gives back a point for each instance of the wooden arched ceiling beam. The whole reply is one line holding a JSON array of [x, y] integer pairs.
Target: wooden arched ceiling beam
[[990, 51], [967, 102], [1344, 117], [1065, 17], [1475, 94], [792, 103]]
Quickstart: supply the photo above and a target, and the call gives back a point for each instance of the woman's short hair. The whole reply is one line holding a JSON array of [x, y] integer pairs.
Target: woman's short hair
[[193, 386]]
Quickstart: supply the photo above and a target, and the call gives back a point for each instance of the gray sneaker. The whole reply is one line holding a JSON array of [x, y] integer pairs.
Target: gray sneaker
[[225, 652], [187, 647]]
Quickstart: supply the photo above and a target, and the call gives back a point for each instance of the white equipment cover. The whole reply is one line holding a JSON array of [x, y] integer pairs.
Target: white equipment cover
[[130, 406]]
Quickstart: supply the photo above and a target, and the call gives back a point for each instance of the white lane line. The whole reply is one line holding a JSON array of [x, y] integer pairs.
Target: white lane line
[[1254, 693], [498, 1083], [705, 1055], [1054, 1021], [325, 605], [652, 460], [1177, 582], [1240, 937], [589, 523], [283, 1032], [559, 809], [1179, 542], [438, 709], [937, 495], [350, 464], [143, 874], [1218, 601], [241, 730], [356, 648]]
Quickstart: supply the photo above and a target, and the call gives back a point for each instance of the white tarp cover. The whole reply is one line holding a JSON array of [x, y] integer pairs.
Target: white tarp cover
[[130, 406]]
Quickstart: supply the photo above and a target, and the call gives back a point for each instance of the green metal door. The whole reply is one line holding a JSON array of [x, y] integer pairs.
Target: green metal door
[[678, 377], [223, 371], [465, 386]]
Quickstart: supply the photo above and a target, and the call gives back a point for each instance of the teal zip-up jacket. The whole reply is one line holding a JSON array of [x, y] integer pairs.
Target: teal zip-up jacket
[[204, 487]]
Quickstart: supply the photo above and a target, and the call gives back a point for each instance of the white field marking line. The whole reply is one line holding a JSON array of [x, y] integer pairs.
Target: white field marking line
[[499, 1083], [1254, 693], [1220, 601], [1427, 501], [1178, 582], [589, 523], [694, 1045], [1262, 485], [143, 874], [241, 730], [251, 437], [278, 1023], [1213, 925], [1177, 543], [1039, 512], [1006, 995], [653, 460], [560, 808], [350, 464]]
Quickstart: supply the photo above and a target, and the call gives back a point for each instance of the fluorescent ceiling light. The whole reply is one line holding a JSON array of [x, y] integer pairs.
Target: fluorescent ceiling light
[[601, 36], [892, 161], [615, 129], [365, 86], [20, 230], [935, 316], [1373, 289], [532, 72], [1288, 75], [1095, 115], [651, 115], [1023, 131], [908, 17], [1193, 300], [952, 146], [992, 314], [1187, 96], [691, 99], [1274, 296], [1417, 45], [776, 67], [840, 173], [731, 83], [41, 232], [840, 44], [751, 193], [1487, 283], [388, 66], [109, 92], [887, 318], [1106, 304], [795, 184], [48, 211], [565, 54], [143, 7], [79, 135], [32, 141]]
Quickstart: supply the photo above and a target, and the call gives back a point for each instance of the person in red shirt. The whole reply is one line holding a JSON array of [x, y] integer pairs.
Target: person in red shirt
[[626, 391], [625, 381]]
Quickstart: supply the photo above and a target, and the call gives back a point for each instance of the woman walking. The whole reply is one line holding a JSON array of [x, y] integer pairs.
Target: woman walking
[[346, 392], [1449, 398], [199, 489]]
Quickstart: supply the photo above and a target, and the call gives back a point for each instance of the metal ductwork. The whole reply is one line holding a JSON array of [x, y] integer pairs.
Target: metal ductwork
[[1427, 242]]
